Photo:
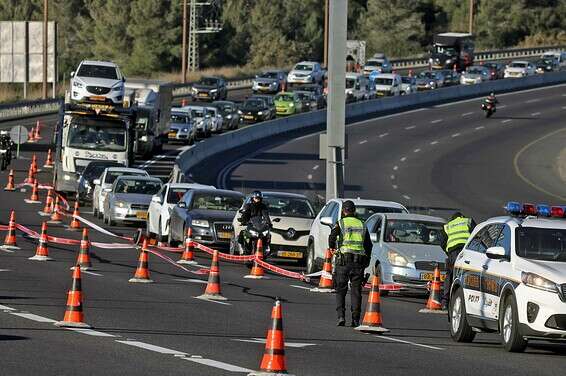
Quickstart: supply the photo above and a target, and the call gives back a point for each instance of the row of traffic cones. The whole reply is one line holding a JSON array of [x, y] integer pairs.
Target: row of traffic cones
[[32, 171], [34, 133]]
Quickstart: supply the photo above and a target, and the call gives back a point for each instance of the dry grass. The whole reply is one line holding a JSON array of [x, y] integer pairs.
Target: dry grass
[[226, 72], [15, 92]]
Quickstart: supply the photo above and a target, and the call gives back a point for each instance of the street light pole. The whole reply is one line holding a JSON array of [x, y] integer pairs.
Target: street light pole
[[471, 17], [184, 57], [45, 18], [326, 33]]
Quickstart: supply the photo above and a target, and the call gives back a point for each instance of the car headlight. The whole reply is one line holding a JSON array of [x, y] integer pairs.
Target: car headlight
[[291, 104], [240, 112], [260, 113], [78, 84], [199, 223], [229, 116], [143, 138], [265, 233], [254, 233], [538, 282], [396, 259], [118, 88], [449, 61], [431, 83], [194, 90], [120, 204], [273, 84]]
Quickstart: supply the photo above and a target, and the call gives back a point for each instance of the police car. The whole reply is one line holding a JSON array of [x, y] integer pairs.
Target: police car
[[511, 278]]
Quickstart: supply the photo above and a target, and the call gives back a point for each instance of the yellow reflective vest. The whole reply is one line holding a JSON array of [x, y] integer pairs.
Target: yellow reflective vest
[[351, 235], [458, 232]]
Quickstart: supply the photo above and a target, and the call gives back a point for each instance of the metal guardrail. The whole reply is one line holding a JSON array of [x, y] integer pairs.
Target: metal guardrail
[[20, 110]]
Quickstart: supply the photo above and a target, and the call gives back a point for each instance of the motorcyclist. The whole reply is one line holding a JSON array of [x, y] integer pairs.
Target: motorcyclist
[[491, 99], [254, 209]]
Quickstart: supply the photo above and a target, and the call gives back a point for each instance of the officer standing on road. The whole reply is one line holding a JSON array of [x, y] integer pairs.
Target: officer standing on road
[[352, 245], [456, 234]]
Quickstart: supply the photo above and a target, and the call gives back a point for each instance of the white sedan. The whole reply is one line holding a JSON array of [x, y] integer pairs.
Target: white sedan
[[161, 205], [519, 69]]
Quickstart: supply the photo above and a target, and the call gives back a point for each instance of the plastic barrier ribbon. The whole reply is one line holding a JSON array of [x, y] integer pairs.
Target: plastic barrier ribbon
[[224, 256], [100, 229], [283, 272], [172, 262]]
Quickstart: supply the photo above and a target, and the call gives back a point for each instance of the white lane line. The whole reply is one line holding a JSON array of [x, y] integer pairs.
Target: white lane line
[[467, 114], [150, 347], [505, 121], [395, 168], [530, 101], [406, 197], [436, 121], [6, 308], [5, 270], [502, 106], [309, 176], [394, 186], [300, 287], [410, 127], [91, 332], [409, 342], [369, 121], [455, 135], [217, 364], [416, 150], [392, 177], [564, 107], [31, 316], [383, 135], [403, 159], [92, 273], [535, 114], [315, 167], [210, 300], [192, 280], [480, 127], [363, 142], [287, 344], [434, 142]]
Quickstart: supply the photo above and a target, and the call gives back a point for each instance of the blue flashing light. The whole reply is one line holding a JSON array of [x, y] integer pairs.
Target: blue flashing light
[[513, 207], [543, 210]]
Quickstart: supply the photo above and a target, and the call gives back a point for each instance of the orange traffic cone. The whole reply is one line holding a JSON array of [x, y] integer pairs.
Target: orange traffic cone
[[188, 256], [74, 317], [372, 318], [34, 198], [31, 175], [10, 186], [75, 224], [49, 161], [34, 164], [257, 271], [325, 283], [56, 216], [273, 361], [10, 239], [83, 259], [31, 135], [48, 208], [142, 271], [41, 252], [36, 135], [433, 304], [212, 291]]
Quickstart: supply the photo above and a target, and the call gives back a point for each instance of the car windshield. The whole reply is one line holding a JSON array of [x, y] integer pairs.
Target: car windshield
[[304, 96], [210, 201], [383, 81], [111, 176], [175, 195], [303, 67], [518, 65], [208, 81], [350, 83], [98, 71], [427, 74], [93, 171], [143, 187], [225, 108], [179, 118], [102, 135], [374, 63], [473, 70], [253, 103], [268, 75], [407, 80], [363, 212], [289, 207], [545, 62], [197, 113], [413, 232], [546, 244], [284, 97]]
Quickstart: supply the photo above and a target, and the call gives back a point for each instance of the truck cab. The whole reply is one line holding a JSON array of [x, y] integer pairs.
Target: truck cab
[[451, 50]]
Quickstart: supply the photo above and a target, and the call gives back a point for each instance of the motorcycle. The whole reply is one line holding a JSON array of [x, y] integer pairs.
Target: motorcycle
[[489, 108], [6, 146], [246, 243]]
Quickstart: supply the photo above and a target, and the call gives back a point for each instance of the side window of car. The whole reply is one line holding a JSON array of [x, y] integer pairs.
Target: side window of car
[[485, 238], [377, 228], [327, 210], [335, 214], [163, 193], [504, 240]]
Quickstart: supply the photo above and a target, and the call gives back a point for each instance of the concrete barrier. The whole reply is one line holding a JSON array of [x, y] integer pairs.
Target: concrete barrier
[[312, 121]]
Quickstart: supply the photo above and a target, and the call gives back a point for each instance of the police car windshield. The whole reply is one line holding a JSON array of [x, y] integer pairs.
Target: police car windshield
[[414, 232], [546, 244], [364, 212]]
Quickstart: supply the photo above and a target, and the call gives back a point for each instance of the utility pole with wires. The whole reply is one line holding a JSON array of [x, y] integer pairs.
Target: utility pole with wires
[[44, 63], [471, 17], [203, 19], [325, 64], [184, 52]]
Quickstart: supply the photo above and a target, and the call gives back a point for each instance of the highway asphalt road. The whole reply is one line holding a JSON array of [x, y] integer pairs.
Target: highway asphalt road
[[162, 328]]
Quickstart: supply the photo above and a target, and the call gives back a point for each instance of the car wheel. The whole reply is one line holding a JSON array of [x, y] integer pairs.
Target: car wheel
[[511, 336], [111, 222], [311, 262], [460, 330]]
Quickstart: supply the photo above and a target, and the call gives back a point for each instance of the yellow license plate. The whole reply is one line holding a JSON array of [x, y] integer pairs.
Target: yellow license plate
[[97, 98], [249, 117], [224, 235], [430, 276], [172, 134], [203, 95], [290, 254], [141, 215]]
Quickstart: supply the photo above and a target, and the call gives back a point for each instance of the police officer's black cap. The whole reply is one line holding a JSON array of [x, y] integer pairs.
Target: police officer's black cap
[[349, 206], [257, 194]]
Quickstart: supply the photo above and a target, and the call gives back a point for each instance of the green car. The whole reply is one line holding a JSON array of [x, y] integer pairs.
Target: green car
[[287, 104]]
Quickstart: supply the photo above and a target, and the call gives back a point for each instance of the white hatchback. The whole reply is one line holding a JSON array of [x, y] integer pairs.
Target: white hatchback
[[511, 278], [98, 82]]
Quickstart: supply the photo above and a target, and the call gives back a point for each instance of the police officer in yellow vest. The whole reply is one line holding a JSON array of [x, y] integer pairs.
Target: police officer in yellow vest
[[352, 245], [456, 234]]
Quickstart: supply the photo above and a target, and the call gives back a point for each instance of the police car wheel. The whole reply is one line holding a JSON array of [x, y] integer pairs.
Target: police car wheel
[[460, 330], [511, 336]]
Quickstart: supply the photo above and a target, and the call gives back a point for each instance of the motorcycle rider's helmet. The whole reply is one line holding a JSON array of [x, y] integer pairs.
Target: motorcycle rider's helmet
[[257, 195], [492, 94]]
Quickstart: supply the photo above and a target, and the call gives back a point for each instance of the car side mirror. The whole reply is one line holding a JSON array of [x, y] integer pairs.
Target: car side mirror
[[327, 221], [182, 204], [123, 79], [156, 199], [72, 74], [96, 182], [495, 253], [373, 237]]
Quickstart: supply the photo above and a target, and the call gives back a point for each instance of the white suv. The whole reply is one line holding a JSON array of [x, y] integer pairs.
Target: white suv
[[306, 72], [511, 278], [98, 82], [332, 213]]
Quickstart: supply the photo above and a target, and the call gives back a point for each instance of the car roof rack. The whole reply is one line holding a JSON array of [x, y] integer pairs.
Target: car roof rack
[[97, 109]]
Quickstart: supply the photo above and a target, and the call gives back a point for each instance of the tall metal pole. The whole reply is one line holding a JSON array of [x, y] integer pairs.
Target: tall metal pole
[[471, 17], [326, 33], [336, 110], [184, 58], [45, 17]]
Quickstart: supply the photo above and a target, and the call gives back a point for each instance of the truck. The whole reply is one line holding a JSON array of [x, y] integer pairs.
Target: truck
[[91, 132], [452, 51], [152, 100]]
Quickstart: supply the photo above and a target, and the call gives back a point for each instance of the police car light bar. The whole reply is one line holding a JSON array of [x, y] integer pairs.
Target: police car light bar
[[541, 210]]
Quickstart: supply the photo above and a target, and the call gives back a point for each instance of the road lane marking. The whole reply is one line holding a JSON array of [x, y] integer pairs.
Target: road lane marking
[[502, 106], [217, 364], [416, 150], [436, 121], [363, 142], [315, 167], [532, 100], [91, 332], [535, 114], [410, 343], [467, 114], [394, 186], [6, 308], [210, 300], [31, 316], [192, 280], [410, 127], [150, 347], [92, 273], [5, 270], [505, 121], [564, 107], [300, 287], [403, 159], [383, 135], [287, 344], [395, 168], [309, 176], [480, 127], [406, 197], [455, 135], [434, 142], [392, 177]]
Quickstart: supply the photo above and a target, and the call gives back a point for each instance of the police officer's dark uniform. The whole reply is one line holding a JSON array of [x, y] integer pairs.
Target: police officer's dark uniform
[[255, 208], [456, 234], [353, 250]]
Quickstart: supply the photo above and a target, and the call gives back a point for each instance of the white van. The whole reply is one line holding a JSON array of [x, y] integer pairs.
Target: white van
[[559, 56], [388, 84], [357, 87]]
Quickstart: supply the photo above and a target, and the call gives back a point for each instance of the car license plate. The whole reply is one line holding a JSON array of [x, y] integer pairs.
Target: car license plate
[[248, 117], [172, 134], [97, 98], [203, 94], [288, 254], [141, 215], [430, 276], [224, 235]]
